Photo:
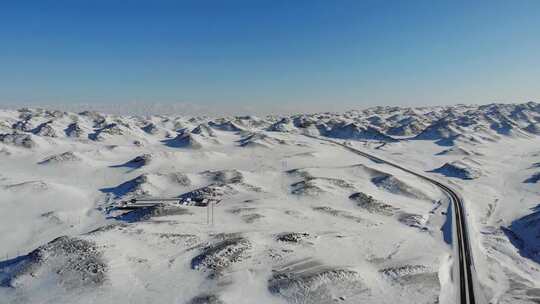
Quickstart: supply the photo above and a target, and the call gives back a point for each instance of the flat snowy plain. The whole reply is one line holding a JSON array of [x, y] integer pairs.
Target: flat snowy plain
[[298, 219]]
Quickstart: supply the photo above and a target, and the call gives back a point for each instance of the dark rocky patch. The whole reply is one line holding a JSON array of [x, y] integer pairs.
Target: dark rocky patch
[[106, 129], [306, 188], [22, 125], [412, 220], [406, 128], [78, 263], [344, 130], [206, 299], [403, 270], [74, 130], [372, 205], [200, 197], [18, 140], [68, 156], [226, 176], [45, 129], [219, 256], [309, 185], [293, 237], [317, 285], [179, 178]]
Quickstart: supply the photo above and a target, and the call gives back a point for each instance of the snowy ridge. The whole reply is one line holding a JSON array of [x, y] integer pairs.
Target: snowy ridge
[[282, 203]]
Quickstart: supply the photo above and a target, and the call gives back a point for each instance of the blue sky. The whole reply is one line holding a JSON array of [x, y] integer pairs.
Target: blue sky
[[333, 54]]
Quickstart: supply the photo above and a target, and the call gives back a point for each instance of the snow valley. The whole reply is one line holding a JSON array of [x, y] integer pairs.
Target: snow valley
[[296, 218]]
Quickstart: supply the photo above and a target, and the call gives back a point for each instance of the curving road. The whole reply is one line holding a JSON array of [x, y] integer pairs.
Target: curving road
[[468, 288]]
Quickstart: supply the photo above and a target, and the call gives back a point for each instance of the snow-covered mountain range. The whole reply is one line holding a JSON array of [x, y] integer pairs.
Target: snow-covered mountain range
[[295, 219]]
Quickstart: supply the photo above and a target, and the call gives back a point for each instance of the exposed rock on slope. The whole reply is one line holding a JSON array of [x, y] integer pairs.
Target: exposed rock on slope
[[4, 126], [231, 177], [179, 178], [372, 205], [219, 256], [74, 130], [199, 197], [283, 125], [406, 128], [68, 156], [260, 140], [306, 188], [45, 129], [206, 299], [77, 263], [22, 125], [96, 118], [354, 131], [315, 185], [252, 122], [107, 130], [157, 245], [442, 129], [17, 139], [412, 220], [318, 285], [293, 237], [226, 176], [404, 270], [319, 185]]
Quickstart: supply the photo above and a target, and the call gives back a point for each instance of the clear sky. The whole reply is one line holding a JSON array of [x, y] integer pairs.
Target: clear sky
[[225, 52]]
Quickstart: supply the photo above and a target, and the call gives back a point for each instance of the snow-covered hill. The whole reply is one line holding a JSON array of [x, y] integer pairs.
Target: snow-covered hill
[[296, 219]]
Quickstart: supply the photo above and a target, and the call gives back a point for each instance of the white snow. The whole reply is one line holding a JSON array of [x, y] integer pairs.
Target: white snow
[[297, 219]]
